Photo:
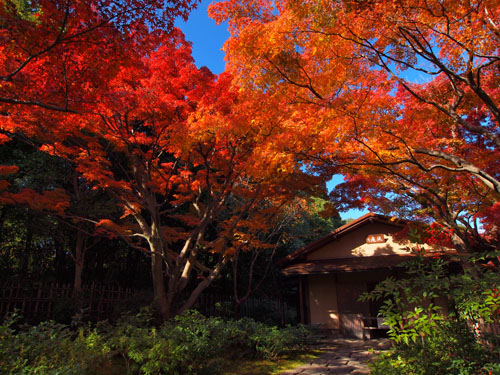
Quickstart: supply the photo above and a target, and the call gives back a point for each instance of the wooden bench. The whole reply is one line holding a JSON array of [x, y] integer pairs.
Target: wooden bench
[[373, 324]]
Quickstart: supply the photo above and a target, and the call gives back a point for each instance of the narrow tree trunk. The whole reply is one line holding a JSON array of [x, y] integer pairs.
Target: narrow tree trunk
[[77, 286], [25, 260], [79, 259], [195, 294], [236, 309], [160, 294], [60, 269], [464, 250]]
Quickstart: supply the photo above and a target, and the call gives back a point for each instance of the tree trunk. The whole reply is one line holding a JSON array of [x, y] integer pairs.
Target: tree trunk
[[77, 286], [79, 259], [236, 309], [160, 294], [465, 251], [195, 294], [26, 255]]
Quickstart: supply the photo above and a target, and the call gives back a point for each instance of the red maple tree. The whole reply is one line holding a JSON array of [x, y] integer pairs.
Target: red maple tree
[[186, 158]]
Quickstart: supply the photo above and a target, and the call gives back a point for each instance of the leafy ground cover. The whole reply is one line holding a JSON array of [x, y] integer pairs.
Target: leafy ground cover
[[190, 344]]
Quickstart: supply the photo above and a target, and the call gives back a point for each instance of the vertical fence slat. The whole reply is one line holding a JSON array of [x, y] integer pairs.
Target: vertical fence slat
[[38, 301]]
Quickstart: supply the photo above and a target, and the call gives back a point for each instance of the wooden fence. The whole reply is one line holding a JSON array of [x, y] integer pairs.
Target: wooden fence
[[47, 301], [269, 310], [38, 302]]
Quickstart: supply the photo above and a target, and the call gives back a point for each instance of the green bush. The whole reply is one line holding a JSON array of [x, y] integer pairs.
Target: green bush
[[190, 344], [194, 344], [49, 349], [428, 342], [451, 350]]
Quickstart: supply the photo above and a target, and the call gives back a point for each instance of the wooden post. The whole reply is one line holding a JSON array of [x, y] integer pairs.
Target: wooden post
[[9, 298], [282, 312], [51, 300], [301, 300], [38, 298]]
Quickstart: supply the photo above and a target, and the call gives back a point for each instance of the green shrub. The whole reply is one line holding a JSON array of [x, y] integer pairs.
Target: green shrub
[[194, 344], [271, 342], [190, 344], [49, 349], [428, 342], [451, 350]]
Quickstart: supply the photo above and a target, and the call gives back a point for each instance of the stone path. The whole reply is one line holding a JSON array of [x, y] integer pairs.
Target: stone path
[[341, 356]]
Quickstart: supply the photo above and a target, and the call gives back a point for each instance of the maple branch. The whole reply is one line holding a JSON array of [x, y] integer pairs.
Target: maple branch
[[249, 290], [449, 110], [448, 35], [140, 235], [467, 78], [57, 40], [456, 117], [289, 80], [463, 166], [387, 167], [142, 249], [212, 207], [191, 259], [367, 44], [71, 225], [69, 38], [430, 56], [192, 241], [124, 237], [214, 274], [492, 24], [52, 107]]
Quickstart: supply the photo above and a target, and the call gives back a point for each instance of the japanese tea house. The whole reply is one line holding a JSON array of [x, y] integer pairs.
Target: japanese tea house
[[335, 270]]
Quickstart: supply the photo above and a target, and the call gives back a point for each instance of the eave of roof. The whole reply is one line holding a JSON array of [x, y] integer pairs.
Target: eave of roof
[[368, 218], [355, 264]]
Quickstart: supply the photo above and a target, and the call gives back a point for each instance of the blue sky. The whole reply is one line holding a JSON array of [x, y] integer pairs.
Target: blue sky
[[207, 39]]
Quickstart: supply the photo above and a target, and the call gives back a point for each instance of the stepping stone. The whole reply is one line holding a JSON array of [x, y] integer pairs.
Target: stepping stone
[[341, 370], [360, 372], [338, 362], [341, 357]]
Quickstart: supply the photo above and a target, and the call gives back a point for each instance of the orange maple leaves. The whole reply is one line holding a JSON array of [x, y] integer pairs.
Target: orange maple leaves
[[339, 74]]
